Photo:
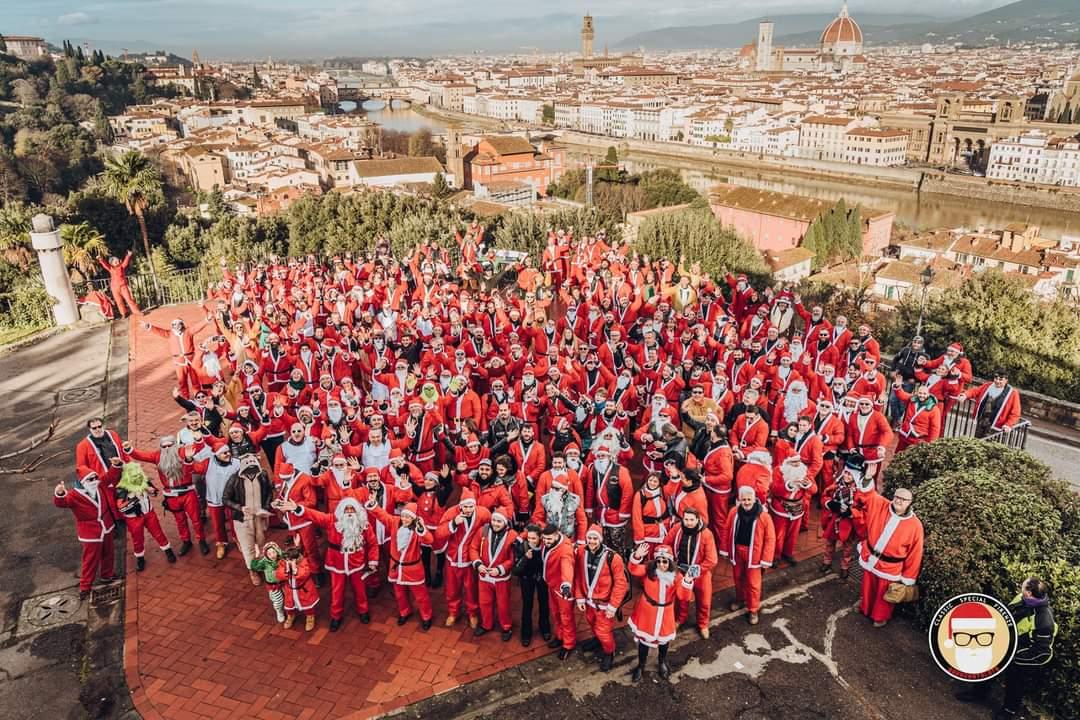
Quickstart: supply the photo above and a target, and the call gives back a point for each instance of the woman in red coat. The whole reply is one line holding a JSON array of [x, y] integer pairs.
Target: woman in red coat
[[653, 621], [406, 572]]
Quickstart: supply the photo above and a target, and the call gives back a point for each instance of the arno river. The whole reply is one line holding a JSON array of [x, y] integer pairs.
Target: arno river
[[916, 210]]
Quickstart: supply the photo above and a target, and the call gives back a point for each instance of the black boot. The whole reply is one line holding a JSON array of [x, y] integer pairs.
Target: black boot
[[402, 619], [335, 623], [204, 548], [665, 671], [365, 618], [554, 643], [636, 673], [140, 564], [606, 661], [565, 653], [425, 625], [590, 645], [479, 630], [170, 555], [506, 635], [185, 548]]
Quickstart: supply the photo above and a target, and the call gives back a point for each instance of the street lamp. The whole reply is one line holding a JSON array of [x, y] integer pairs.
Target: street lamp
[[927, 277]]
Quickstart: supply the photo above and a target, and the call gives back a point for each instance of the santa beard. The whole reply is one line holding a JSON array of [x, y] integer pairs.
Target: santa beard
[[974, 661], [342, 477], [793, 405], [334, 415], [169, 463], [211, 365], [793, 474], [351, 526]]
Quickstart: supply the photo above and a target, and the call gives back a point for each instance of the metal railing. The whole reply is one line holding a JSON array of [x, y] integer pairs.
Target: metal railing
[[961, 422], [171, 288]]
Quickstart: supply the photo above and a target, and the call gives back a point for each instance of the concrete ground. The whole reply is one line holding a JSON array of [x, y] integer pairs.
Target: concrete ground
[[61, 659], [812, 656]]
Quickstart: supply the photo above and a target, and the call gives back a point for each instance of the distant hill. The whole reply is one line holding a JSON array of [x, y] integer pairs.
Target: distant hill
[[734, 35], [1026, 20]]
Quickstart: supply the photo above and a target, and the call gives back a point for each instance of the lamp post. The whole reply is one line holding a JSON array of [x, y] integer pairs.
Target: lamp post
[[927, 277]]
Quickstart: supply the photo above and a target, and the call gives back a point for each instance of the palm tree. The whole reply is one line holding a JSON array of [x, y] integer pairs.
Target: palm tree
[[133, 180], [83, 245], [15, 234]]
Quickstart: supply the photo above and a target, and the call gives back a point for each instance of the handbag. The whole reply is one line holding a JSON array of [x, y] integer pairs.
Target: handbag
[[901, 593]]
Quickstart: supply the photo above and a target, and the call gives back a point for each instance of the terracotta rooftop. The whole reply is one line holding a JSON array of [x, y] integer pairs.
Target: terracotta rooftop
[[509, 144], [397, 166], [777, 204]]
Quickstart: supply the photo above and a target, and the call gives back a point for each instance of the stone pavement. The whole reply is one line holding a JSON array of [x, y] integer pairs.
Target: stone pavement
[[201, 641]]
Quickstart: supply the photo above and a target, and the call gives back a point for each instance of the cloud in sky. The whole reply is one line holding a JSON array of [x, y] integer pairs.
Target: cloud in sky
[[76, 18]]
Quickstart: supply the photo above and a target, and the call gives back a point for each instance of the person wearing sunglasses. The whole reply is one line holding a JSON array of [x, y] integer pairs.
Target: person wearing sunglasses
[[653, 620]]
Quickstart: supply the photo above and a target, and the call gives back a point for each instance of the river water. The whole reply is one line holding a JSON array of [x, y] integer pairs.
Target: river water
[[400, 119], [923, 211]]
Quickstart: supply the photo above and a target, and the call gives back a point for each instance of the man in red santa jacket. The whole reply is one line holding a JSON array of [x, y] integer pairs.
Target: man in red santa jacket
[[557, 557], [892, 549], [997, 405], [179, 488], [94, 525], [692, 544], [600, 585], [102, 452], [492, 555], [351, 552], [458, 526], [300, 488], [406, 571], [608, 497], [749, 543], [869, 434], [792, 485], [922, 416]]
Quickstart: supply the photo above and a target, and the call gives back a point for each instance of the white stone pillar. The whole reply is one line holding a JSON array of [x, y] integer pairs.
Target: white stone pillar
[[46, 241]]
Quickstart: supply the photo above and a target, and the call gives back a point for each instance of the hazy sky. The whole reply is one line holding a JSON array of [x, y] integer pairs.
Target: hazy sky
[[248, 28]]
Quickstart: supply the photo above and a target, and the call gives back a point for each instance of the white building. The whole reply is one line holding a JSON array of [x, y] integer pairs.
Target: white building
[[881, 148], [1038, 158]]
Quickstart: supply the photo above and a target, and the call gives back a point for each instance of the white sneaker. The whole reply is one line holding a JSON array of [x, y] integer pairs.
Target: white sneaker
[[281, 616]]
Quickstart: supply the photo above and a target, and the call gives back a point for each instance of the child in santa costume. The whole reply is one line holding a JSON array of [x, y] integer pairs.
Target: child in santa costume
[[301, 595], [267, 564], [653, 621], [133, 500]]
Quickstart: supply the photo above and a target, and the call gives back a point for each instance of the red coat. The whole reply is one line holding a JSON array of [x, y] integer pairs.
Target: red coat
[[920, 424], [811, 452], [405, 565], [93, 518], [762, 540], [87, 456], [871, 438], [749, 436], [679, 498], [784, 498], [558, 564], [483, 550], [755, 476], [653, 620], [831, 430], [649, 516], [300, 591], [605, 588], [300, 489], [531, 462], [718, 469], [337, 559], [172, 487], [893, 546], [701, 548], [459, 537], [1008, 414], [598, 500]]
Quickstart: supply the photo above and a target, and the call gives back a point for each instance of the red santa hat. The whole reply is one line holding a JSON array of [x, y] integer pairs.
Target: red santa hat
[[396, 453], [472, 439], [572, 447], [498, 513], [409, 509], [594, 529], [663, 551], [970, 617], [956, 346], [86, 473], [371, 470], [467, 497], [529, 370], [285, 471]]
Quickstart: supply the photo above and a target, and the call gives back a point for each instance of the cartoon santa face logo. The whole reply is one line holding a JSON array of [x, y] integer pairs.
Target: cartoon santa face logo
[[973, 637]]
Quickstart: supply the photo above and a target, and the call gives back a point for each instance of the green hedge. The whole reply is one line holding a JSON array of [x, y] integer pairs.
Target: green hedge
[[994, 516]]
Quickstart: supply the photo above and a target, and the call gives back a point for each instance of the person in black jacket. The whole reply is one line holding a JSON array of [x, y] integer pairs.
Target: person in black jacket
[[904, 365], [529, 568], [250, 513], [1035, 631]]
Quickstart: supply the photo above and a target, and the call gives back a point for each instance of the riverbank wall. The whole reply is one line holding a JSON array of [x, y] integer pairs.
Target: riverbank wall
[[452, 116], [1047, 197]]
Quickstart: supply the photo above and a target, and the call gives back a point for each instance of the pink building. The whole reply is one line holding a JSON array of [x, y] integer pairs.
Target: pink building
[[778, 221]]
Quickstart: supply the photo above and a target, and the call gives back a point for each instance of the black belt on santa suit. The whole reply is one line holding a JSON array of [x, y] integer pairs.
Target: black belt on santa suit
[[886, 558], [402, 564], [653, 602], [653, 520], [335, 546]]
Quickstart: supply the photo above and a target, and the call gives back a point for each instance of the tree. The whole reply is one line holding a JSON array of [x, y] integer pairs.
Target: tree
[[15, 233], [696, 234], [82, 246], [133, 180], [102, 129], [441, 188], [548, 116], [421, 144], [256, 81]]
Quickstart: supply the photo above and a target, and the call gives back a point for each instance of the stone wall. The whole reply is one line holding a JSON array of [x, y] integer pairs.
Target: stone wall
[[997, 191]]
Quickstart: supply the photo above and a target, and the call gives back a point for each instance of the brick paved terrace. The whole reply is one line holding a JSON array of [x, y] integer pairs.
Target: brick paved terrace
[[202, 642]]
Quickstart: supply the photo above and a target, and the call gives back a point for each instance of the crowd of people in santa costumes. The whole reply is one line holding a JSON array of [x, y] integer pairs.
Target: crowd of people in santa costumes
[[565, 433]]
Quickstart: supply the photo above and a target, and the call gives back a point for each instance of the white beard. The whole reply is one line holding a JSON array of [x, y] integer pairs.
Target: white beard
[[573, 464], [334, 415], [793, 474], [212, 365], [351, 526], [793, 405], [602, 465], [170, 464], [974, 661], [342, 477]]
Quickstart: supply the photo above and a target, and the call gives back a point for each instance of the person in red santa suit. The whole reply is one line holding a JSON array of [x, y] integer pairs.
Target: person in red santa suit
[[492, 555], [755, 473], [953, 357], [563, 507], [301, 595], [103, 452], [653, 621], [892, 549], [458, 527], [749, 432], [749, 544], [650, 515], [407, 535], [922, 416], [997, 405], [609, 494], [341, 480], [693, 546], [300, 488], [830, 429], [94, 524], [658, 417], [182, 348], [351, 553], [791, 487], [600, 586], [180, 497], [837, 516], [118, 284], [557, 557], [869, 434]]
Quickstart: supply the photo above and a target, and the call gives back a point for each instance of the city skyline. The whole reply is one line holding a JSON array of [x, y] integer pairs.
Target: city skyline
[[323, 29]]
